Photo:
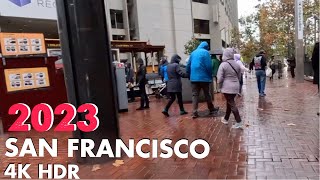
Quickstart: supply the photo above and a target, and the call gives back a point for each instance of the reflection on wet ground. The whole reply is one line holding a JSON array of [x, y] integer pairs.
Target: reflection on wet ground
[[268, 148]]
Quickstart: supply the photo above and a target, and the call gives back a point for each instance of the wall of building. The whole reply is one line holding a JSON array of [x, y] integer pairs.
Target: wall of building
[[165, 22]]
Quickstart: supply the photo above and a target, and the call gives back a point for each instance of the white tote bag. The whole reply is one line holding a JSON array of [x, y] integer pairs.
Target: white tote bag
[[269, 72]]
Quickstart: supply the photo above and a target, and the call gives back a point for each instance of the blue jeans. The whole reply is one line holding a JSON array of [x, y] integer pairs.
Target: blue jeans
[[261, 80]]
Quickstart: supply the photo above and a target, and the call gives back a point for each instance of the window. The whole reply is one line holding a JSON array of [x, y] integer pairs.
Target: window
[[201, 26], [118, 37], [116, 19], [206, 40], [201, 1]]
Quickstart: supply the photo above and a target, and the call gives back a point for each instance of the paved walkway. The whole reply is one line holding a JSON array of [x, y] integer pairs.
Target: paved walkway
[[268, 148]]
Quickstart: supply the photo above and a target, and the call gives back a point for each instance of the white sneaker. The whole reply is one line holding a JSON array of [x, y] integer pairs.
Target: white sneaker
[[238, 126], [224, 121]]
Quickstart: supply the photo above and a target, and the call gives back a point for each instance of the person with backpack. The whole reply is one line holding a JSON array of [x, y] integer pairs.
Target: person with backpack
[[174, 84], [259, 63], [229, 76]]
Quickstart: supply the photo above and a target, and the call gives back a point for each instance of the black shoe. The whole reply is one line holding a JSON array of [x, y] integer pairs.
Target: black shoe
[[183, 113], [165, 113], [215, 110], [140, 109], [146, 107]]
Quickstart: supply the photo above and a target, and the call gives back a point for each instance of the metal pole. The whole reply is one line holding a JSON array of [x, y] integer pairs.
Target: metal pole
[[89, 72], [299, 40]]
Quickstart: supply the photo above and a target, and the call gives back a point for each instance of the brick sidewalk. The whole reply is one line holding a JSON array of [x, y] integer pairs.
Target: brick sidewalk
[[267, 149]]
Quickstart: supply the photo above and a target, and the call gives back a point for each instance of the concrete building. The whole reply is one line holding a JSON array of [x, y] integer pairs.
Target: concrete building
[[161, 22], [174, 22]]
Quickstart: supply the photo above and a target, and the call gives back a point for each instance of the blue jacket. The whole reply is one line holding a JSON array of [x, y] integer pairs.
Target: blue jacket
[[200, 64], [164, 72]]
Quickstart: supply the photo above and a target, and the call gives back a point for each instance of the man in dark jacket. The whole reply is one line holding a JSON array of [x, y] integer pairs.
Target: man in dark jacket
[[141, 81], [174, 84], [130, 81], [315, 64], [200, 70], [292, 64], [260, 63]]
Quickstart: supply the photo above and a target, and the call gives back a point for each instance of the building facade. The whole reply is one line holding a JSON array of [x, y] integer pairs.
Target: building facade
[[173, 22], [161, 22]]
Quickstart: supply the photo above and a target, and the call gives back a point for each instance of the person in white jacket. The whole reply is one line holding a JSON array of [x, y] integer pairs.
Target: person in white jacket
[[237, 58]]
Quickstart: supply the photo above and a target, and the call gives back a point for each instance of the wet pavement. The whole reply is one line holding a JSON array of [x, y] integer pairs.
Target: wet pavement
[[280, 141]]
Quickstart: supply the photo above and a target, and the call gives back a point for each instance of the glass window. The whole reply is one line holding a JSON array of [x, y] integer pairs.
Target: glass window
[[201, 1], [201, 26], [116, 19]]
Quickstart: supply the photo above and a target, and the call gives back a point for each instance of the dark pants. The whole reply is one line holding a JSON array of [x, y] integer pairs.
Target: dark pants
[[232, 107], [131, 94], [173, 96], [144, 101], [196, 89], [292, 72], [273, 72]]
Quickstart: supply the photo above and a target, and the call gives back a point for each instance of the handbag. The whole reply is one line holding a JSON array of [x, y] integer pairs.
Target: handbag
[[269, 72]]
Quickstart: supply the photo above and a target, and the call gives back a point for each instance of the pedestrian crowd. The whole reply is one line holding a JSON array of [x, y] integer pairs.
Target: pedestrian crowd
[[218, 73]]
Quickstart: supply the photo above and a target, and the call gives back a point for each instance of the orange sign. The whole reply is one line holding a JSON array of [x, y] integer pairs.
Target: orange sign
[[13, 44]]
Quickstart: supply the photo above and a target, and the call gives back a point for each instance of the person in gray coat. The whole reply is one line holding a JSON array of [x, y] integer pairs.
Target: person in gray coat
[[174, 84], [229, 75]]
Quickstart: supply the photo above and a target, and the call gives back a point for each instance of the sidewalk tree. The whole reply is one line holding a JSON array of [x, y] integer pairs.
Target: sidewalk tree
[[276, 26], [191, 45]]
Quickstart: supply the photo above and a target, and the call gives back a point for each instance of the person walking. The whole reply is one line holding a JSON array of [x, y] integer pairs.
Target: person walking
[[174, 84], [130, 81], [200, 70], [272, 66], [260, 63], [141, 81], [229, 76], [215, 64], [280, 69], [237, 58], [292, 64], [163, 70]]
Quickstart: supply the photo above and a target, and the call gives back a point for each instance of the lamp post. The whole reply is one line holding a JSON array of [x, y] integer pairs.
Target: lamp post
[[299, 40]]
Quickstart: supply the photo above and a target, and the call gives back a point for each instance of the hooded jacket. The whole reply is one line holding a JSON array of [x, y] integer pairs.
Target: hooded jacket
[[215, 65], [175, 74], [229, 73], [237, 58], [163, 70], [200, 64]]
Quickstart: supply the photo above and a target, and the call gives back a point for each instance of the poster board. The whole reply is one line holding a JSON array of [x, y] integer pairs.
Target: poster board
[[26, 78], [15, 44]]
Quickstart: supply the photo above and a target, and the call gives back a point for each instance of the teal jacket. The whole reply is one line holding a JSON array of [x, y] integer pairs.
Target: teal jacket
[[215, 66]]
